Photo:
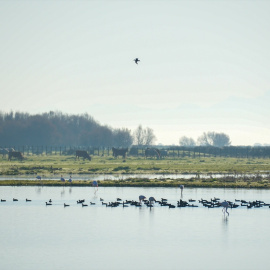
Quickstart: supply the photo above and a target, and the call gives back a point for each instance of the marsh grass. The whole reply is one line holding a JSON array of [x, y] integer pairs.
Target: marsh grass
[[100, 165], [146, 182], [239, 169]]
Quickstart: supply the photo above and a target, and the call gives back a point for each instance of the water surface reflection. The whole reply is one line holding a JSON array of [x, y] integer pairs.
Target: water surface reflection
[[34, 236]]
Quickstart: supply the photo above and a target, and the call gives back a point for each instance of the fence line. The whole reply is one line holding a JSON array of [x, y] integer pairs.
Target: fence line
[[169, 151]]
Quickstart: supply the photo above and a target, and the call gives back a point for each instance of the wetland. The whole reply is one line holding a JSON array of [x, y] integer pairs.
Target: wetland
[[109, 171]]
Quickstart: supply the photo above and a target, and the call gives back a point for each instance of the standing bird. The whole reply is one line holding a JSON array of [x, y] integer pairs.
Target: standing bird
[[141, 198], [95, 185], [182, 188], [136, 60], [225, 207], [151, 200]]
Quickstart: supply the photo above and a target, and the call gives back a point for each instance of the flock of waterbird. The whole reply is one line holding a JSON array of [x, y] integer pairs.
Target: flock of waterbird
[[151, 202]]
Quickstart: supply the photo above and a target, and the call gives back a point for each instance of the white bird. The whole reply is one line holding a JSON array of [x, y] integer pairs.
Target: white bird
[[136, 60]]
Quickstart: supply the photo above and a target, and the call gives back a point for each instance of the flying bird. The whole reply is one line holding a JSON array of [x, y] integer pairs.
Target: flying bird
[[136, 60]]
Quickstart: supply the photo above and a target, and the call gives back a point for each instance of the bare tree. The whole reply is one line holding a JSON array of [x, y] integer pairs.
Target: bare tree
[[185, 141], [212, 138], [138, 136], [149, 136], [204, 140], [221, 139], [122, 137], [143, 136]]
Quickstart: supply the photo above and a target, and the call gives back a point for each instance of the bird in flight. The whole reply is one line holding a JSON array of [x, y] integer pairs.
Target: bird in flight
[[136, 60]]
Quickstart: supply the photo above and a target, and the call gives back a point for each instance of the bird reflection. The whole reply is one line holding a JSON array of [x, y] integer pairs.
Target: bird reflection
[[225, 222]]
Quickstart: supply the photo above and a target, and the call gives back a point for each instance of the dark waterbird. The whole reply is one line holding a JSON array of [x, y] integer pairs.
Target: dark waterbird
[[65, 205], [80, 201], [48, 203], [27, 200], [15, 200], [182, 203], [124, 204]]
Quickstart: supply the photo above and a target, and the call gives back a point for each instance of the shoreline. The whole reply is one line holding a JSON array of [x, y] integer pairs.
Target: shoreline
[[145, 182]]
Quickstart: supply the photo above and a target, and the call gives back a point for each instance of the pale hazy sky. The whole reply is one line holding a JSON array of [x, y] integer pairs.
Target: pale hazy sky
[[205, 65]]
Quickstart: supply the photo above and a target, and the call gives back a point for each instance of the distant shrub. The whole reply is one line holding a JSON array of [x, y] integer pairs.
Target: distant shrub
[[121, 168]]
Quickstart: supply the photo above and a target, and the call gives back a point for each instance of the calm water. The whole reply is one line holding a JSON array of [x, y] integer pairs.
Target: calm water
[[35, 236]]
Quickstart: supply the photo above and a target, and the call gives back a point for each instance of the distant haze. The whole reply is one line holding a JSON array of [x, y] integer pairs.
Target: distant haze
[[204, 64]]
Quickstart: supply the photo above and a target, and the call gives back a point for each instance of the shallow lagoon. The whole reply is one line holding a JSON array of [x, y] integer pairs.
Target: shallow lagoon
[[35, 236]]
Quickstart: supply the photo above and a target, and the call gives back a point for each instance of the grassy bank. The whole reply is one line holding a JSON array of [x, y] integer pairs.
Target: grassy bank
[[238, 172], [146, 182], [66, 165]]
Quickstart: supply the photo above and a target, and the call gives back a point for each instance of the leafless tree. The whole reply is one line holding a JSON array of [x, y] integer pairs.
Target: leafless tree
[[212, 138], [143, 136], [122, 137], [185, 141]]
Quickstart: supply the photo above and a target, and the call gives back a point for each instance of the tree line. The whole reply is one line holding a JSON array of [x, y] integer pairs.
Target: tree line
[[57, 128], [209, 138], [140, 151]]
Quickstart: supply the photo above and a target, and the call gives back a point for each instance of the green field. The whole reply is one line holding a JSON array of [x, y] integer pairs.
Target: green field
[[239, 170]]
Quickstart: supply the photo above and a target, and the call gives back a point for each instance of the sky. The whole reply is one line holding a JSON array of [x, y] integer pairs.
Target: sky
[[204, 65]]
